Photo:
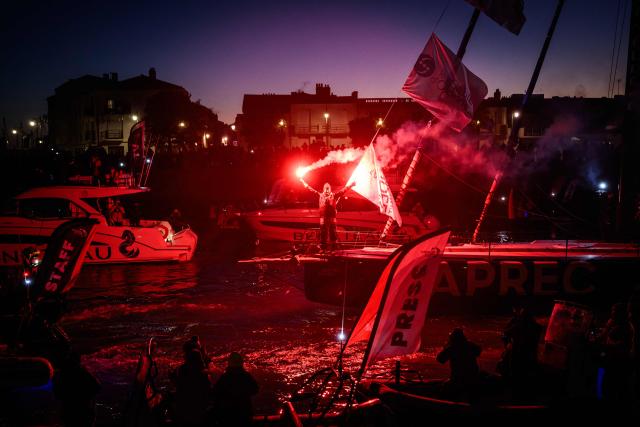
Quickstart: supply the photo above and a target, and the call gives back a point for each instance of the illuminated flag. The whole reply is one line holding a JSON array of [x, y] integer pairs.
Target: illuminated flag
[[444, 86], [393, 318], [136, 141], [372, 185], [507, 13]]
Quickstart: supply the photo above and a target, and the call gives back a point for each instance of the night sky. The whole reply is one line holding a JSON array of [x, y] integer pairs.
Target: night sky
[[220, 51]]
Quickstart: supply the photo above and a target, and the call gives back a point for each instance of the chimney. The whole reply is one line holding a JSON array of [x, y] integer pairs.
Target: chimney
[[114, 77], [152, 73], [497, 95], [323, 90], [354, 94]]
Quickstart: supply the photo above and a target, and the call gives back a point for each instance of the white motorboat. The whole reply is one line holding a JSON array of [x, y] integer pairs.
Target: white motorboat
[[291, 215], [35, 214]]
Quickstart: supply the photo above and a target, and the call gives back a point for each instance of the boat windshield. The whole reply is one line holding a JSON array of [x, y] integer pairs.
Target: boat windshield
[[48, 208], [117, 211]]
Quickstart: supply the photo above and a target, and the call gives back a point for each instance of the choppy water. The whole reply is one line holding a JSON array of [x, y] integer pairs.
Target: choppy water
[[114, 310]]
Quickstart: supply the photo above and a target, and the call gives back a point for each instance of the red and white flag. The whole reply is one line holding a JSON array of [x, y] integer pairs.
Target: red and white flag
[[444, 86], [372, 185], [397, 308]]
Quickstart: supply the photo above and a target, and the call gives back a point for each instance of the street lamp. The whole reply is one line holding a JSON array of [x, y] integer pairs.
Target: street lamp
[[281, 123], [233, 127], [182, 124], [326, 127], [134, 118], [380, 122], [13, 131], [514, 116], [224, 140], [32, 123]]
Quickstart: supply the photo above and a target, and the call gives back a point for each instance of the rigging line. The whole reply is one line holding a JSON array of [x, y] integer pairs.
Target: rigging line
[[444, 10], [613, 50], [540, 211], [615, 70], [562, 208], [474, 188]]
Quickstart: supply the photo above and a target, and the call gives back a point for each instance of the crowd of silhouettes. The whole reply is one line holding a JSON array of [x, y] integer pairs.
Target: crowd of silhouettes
[[201, 401], [602, 365]]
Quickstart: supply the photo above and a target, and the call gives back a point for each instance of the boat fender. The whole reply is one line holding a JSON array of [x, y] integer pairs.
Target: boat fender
[[24, 372]]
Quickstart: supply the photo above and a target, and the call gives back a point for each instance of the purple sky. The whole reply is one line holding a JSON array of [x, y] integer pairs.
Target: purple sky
[[220, 50]]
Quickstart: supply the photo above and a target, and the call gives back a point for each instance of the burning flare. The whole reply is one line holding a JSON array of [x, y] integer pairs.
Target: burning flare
[[302, 171]]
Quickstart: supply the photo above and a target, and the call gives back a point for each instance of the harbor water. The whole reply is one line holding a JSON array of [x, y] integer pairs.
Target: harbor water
[[257, 310]]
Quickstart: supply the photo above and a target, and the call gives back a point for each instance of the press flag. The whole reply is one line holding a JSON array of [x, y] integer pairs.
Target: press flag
[[444, 86], [507, 13], [393, 318], [372, 185]]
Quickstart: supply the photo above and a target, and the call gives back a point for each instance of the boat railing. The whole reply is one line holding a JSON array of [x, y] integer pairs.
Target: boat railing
[[352, 240], [124, 180]]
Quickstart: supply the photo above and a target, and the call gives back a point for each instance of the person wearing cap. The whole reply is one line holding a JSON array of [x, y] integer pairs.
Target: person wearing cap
[[462, 356], [232, 394]]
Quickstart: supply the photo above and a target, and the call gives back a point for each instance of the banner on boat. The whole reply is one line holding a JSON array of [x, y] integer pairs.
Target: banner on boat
[[393, 318], [372, 185], [63, 258], [444, 86], [507, 13]]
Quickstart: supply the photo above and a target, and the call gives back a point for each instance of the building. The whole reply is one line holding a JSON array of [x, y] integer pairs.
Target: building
[[100, 111], [580, 119], [322, 117]]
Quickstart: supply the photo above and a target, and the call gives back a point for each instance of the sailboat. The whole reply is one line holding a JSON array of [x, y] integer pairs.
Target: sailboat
[[392, 325], [478, 277]]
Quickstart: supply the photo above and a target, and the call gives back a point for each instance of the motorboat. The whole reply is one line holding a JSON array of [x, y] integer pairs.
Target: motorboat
[[33, 216], [291, 216]]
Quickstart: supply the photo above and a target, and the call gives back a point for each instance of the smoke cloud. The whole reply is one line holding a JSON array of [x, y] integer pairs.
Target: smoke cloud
[[459, 153]]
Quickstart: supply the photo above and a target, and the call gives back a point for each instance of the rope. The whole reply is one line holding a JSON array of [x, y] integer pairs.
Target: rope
[[444, 10], [615, 70], [613, 50]]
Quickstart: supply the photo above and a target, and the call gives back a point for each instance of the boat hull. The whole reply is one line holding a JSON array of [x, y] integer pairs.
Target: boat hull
[[302, 225], [475, 281], [111, 244]]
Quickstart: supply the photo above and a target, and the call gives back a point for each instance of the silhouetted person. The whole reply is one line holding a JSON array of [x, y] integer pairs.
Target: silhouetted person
[[76, 388], [193, 390], [616, 339], [232, 393], [462, 356], [194, 343], [327, 201], [633, 309], [520, 359], [116, 213], [175, 219]]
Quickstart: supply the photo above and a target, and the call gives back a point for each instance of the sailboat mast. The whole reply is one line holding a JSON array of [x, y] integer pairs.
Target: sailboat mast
[[513, 137], [408, 177], [629, 182]]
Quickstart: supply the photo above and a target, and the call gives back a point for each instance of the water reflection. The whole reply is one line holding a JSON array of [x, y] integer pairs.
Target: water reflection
[[232, 307]]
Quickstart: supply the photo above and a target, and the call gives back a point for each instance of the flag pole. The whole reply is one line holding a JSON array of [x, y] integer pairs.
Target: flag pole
[[513, 141], [408, 177], [467, 34]]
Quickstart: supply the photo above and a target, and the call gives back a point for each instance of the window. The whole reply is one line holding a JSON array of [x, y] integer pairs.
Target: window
[[50, 208], [109, 104]]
